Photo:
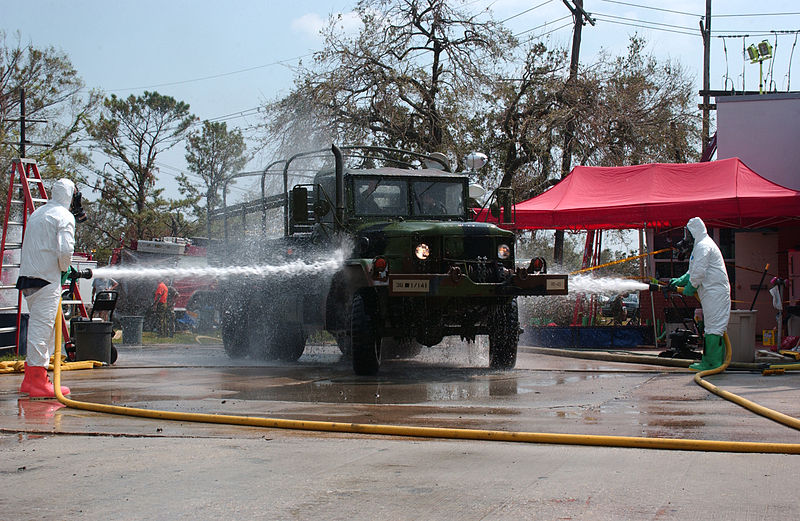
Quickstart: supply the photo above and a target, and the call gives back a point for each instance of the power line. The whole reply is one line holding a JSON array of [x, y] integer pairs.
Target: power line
[[551, 22], [526, 11], [748, 15], [214, 76], [673, 26], [652, 8], [538, 36], [647, 27], [733, 15], [765, 33]]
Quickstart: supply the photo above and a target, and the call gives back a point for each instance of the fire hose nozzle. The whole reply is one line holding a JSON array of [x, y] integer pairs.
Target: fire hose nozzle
[[80, 274]]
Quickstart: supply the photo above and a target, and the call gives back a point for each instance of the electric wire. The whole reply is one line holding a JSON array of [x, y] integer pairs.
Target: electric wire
[[599, 18], [789, 74], [735, 15], [771, 64], [680, 27], [551, 22], [651, 8], [214, 76], [525, 11]]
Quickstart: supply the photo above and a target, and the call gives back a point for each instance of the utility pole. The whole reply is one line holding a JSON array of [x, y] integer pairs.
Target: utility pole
[[23, 121], [705, 30], [581, 17]]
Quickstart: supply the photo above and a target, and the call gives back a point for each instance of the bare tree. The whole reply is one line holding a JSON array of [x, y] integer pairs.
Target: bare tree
[[408, 79], [628, 109]]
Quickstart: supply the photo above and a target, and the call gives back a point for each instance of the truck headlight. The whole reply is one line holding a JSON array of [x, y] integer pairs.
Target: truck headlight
[[422, 251], [503, 252]]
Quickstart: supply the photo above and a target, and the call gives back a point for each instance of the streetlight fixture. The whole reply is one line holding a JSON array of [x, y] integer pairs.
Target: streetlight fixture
[[759, 53]]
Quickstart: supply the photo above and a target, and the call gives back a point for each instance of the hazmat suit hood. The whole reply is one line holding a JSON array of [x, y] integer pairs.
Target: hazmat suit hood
[[697, 228], [62, 192]]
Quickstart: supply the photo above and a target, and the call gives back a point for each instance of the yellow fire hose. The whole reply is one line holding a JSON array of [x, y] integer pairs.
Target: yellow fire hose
[[434, 432]]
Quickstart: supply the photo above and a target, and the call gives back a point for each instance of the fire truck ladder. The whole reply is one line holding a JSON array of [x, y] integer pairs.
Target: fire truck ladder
[[24, 173]]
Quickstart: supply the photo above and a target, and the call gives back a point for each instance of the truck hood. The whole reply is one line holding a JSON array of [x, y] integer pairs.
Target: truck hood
[[442, 228]]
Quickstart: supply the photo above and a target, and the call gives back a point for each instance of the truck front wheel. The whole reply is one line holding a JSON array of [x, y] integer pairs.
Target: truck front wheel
[[366, 344], [504, 336]]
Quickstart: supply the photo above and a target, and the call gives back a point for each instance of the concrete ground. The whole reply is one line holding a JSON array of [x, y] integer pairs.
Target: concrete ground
[[59, 463]]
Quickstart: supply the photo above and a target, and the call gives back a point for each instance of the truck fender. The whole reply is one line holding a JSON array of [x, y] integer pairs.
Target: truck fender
[[345, 283]]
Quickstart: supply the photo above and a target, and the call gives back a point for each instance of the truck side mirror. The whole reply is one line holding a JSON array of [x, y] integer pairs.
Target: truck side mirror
[[299, 204]]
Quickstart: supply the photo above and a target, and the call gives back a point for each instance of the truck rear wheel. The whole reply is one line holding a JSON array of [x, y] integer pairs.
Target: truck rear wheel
[[504, 336], [366, 344], [288, 342], [234, 337]]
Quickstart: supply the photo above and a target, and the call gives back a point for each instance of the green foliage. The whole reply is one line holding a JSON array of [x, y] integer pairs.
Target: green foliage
[[131, 133], [213, 154], [53, 92]]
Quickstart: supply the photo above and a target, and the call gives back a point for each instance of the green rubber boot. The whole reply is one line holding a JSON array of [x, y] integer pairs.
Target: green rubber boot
[[713, 355]]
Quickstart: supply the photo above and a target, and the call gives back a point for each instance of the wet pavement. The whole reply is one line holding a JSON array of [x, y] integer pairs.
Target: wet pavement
[[233, 472]]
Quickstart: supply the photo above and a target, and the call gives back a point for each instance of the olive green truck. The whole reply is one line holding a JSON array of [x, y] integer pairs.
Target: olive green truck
[[403, 263]]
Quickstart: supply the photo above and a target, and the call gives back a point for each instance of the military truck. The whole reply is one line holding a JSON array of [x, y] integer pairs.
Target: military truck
[[413, 264]]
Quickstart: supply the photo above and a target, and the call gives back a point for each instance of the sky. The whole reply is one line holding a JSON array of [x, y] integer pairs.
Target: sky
[[226, 58]]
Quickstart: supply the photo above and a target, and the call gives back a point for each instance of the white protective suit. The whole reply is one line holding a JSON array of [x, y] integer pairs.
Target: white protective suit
[[707, 273], [46, 252]]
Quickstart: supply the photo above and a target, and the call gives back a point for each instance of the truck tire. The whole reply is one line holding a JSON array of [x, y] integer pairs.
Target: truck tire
[[288, 342], [504, 336], [345, 344], [234, 337], [366, 343]]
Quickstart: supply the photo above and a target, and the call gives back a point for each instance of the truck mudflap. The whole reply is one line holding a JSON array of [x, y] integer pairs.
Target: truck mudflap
[[459, 285]]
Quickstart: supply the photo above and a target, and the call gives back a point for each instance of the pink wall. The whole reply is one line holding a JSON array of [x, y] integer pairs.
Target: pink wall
[[764, 132]]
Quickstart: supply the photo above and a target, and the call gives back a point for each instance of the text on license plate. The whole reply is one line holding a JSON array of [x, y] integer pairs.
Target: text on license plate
[[411, 286]]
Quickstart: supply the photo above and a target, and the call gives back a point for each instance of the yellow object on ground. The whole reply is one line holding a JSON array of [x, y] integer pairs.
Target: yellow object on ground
[[437, 432], [18, 366]]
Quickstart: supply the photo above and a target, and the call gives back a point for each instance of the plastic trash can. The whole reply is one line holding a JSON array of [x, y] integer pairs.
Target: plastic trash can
[[132, 329], [742, 334], [92, 340]]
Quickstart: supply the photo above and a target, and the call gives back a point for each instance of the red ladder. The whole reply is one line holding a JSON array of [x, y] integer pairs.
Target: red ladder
[[24, 173]]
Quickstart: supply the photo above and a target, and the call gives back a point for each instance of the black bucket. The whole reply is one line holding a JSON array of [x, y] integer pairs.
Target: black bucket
[[93, 341]]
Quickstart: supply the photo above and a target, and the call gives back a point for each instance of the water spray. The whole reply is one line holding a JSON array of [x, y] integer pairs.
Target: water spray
[[603, 285], [297, 267]]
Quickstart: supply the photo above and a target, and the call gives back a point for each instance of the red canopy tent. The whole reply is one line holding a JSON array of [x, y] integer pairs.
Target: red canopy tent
[[723, 193]]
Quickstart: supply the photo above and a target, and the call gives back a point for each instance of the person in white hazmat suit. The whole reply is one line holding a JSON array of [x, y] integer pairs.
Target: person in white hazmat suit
[[46, 252], [708, 277]]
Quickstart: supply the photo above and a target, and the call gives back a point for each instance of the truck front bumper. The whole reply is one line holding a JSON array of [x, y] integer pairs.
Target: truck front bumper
[[455, 284]]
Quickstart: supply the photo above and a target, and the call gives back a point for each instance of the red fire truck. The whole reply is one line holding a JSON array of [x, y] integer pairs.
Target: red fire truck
[[194, 306]]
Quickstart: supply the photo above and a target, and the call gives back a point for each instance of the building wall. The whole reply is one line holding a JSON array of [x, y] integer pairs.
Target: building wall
[[754, 250], [763, 131]]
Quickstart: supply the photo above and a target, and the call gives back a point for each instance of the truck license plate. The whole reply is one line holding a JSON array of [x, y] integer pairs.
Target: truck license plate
[[411, 286]]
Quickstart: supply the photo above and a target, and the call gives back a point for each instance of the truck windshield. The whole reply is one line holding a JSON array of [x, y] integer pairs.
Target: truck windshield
[[390, 197], [433, 198], [380, 196]]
